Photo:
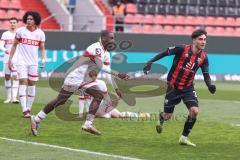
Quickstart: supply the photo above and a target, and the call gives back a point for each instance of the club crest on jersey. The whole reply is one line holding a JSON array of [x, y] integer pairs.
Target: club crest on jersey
[[98, 51]]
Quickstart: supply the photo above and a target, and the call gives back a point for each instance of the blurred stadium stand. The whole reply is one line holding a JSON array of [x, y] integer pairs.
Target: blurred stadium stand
[[17, 8], [219, 17]]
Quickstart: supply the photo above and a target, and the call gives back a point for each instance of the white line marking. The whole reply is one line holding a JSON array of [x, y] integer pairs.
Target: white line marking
[[235, 125], [218, 100], [69, 149]]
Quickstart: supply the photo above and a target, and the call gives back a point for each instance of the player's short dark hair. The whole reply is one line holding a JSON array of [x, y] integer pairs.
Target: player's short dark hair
[[36, 17], [105, 33], [13, 18], [198, 33]]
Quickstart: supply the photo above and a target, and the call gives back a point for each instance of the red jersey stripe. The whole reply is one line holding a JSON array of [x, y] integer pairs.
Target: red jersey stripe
[[187, 71], [179, 65], [30, 75]]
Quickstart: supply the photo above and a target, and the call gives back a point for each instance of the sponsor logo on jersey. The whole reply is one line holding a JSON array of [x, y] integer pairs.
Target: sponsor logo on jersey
[[29, 41]]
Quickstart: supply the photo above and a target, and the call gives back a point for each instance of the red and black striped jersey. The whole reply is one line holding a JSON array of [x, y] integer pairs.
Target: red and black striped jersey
[[185, 65]]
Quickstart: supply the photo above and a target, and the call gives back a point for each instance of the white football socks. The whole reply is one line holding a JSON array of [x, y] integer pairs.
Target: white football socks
[[8, 88], [15, 89], [31, 96], [40, 116], [22, 96]]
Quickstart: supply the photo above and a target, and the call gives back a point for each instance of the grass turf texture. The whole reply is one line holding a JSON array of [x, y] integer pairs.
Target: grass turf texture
[[215, 132]]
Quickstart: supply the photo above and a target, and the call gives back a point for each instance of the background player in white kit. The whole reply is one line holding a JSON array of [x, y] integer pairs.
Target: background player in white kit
[[82, 77], [27, 42], [5, 46]]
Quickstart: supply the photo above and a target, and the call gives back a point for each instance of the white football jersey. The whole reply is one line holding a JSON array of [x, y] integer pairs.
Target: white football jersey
[[8, 38], [28, 44], [95, 50]]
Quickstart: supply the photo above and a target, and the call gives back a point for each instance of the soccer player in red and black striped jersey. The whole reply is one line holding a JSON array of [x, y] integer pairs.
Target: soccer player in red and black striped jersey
[[187, 60]]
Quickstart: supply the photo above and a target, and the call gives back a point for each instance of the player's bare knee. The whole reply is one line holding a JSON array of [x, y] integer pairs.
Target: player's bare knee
[[31, 83], [193, 111], [167, 116], [23, 81], [15, 77]]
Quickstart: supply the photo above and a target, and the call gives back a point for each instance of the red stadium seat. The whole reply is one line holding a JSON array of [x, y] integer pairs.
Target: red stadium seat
[[20, 24], [179, 30], [2, 14], [237, 32], [159, 19], [229, 31], [131, 8], [189, 30], [20, 14], [4, 4], [137, 29], [180, 20], [5, 25], [15, 4], [237, 22], [147, 29], [12, 13], [210, 30], [129, 18], [230, 21], [200, 20], [169, 19], [219, 31], [190, 20], [138, 18], [148, 19], [168, 29], [157, 29], [210, 21], [220, 21]]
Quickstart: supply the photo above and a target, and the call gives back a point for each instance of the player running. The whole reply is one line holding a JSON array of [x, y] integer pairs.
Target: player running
[[5, 46], [187, 60], [27, 41], [82, 78]]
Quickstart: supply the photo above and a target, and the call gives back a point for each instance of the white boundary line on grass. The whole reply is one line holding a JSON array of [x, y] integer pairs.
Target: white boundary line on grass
[[69, 149], [218, 100]]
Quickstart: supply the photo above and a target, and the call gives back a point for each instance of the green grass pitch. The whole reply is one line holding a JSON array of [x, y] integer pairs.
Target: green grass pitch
[[216, 133]]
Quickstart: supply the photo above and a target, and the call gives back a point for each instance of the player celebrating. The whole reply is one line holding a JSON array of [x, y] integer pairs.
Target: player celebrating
[[82, 77], [5, 46], [28, 39], [187, 60]]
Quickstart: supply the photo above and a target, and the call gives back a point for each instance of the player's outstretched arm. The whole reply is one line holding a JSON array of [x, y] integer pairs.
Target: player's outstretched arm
[[147, 66], [212, 88]]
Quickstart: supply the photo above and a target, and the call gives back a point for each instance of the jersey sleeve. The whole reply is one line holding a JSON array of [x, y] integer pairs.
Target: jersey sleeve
[[205, 66], [92, 50], [18, 35], [3, 37], [42, 37], [175, 50], [3, 42]]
